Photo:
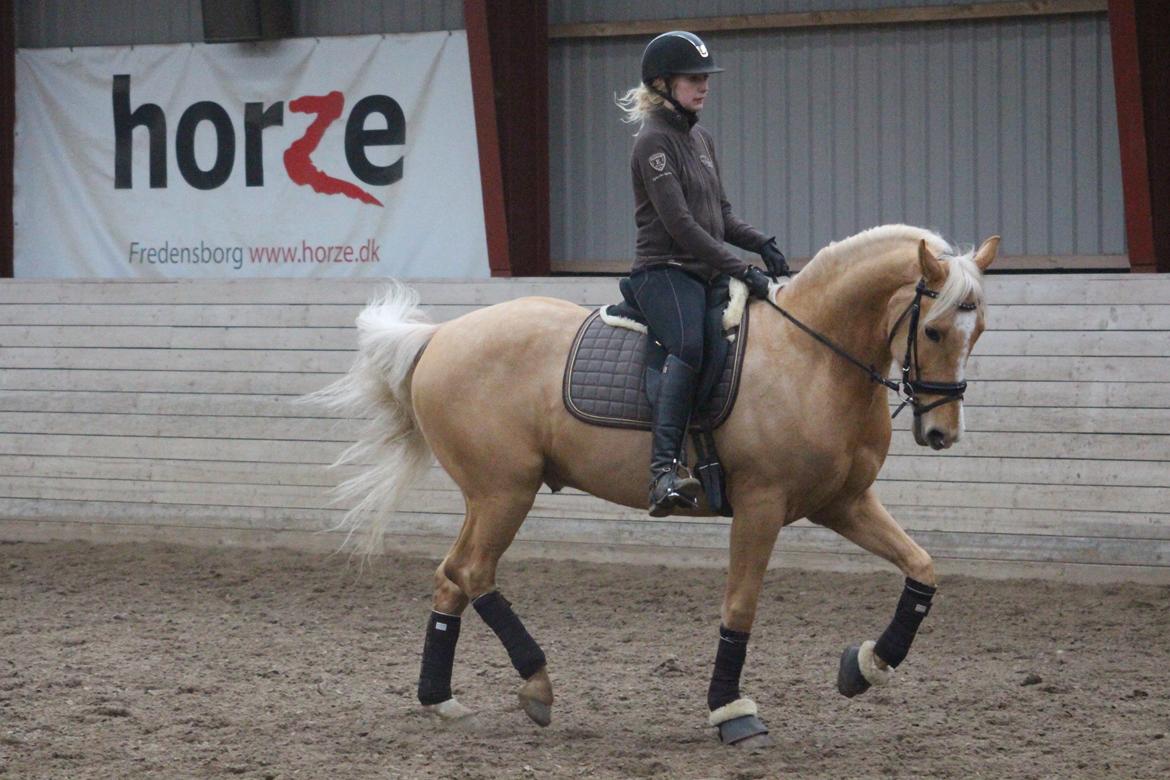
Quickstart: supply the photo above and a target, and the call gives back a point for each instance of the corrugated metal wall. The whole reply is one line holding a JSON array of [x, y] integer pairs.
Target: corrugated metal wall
[[970, 128], [45, 23]]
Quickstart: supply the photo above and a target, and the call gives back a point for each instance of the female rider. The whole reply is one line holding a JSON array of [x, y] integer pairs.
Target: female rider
[[683, 218]]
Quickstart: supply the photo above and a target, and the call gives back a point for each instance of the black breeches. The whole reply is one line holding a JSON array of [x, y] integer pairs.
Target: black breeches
[[673, 303]]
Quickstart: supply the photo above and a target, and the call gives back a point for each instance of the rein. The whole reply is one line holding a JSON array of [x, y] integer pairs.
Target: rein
[[908, 388]]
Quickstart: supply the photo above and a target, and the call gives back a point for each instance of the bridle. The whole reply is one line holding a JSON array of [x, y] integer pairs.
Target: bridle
[[911, 384]]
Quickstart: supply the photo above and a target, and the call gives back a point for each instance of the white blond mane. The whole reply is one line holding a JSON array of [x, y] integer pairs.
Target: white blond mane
[[964, 280]]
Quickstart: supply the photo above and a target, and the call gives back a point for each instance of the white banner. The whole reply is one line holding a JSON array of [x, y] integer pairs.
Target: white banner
[[347, 156]]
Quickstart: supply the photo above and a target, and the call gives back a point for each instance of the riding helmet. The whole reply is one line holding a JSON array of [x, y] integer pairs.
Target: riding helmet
[[676, 52]]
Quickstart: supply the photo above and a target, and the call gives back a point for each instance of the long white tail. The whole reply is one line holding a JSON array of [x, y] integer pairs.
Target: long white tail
[[392, 331]]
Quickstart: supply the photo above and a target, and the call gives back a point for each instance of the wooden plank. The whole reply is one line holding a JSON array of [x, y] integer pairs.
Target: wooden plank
[[160, 491], [224, 404], [169, 469], [1066, 394], [1123, 343], [1056, 420], [167, 337], [974, 468], [186, 426], [835, 18], [1086, 317], [264, 450], [284, 292], [276, 316], [1148, 501], [227, 382], [285, 361], [1048, 445], [1078, 289], [1069, 369]]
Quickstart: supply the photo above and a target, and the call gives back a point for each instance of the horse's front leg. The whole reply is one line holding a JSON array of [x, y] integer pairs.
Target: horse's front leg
[[754, 529], [865, 522]]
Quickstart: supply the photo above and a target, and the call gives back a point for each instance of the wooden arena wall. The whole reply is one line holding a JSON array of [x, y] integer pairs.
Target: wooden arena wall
[[147, 410]]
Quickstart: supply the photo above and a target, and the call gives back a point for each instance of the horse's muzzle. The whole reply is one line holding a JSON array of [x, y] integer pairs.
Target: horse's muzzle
[[935, 438]]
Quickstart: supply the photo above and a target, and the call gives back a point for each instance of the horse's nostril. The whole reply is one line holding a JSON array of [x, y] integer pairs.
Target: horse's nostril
[[936, 437]]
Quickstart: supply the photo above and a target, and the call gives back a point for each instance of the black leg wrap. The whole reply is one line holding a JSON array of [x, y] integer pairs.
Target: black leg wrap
[[729, 660], [914, 605], [434, 680], [526, 655]]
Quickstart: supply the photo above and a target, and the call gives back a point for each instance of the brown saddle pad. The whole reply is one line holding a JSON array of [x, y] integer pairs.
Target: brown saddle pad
[[605, 377]]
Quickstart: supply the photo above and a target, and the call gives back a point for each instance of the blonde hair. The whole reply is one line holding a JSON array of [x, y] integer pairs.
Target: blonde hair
[[638, 102]]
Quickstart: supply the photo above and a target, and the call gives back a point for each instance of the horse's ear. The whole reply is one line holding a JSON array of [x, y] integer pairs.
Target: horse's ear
[[987, 252], [932, 270]]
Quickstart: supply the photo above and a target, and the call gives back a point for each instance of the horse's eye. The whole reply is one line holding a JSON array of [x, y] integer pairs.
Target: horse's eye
[[933, 334]]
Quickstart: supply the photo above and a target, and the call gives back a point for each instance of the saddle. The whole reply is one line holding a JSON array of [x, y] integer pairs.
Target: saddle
[[614, 366]]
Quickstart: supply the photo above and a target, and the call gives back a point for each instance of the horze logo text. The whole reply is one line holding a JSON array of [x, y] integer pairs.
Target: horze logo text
[[256, 118]]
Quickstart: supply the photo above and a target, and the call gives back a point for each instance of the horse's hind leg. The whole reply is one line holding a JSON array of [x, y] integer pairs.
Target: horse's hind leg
[[865, 522], [491, 524], [434, 680]]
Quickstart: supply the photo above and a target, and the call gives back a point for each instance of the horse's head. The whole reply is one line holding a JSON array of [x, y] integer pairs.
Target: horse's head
[[931, 346]]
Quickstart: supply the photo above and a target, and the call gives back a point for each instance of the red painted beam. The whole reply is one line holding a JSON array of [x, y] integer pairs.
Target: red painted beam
[[475, 16], [8, 128], [508, 43], [1131, 127]]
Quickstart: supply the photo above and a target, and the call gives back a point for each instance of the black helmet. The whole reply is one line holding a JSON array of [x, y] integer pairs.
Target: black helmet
[[676, 52]]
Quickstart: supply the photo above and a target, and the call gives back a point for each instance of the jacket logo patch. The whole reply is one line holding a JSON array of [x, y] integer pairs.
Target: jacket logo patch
[[706, 161], [657, 161]]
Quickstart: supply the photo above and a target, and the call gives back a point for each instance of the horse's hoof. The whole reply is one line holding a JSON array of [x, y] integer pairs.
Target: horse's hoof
[[746, 731], [859, 670], [536, 698], [450, 710], [739, 724], [850, 681], [538, 711], [757, 743]]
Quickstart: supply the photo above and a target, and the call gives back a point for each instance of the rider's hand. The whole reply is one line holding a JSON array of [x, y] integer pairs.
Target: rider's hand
[[757, 282], [774, 259]]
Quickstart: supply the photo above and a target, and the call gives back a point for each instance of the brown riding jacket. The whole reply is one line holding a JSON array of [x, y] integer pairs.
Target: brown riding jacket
[[681, 211]]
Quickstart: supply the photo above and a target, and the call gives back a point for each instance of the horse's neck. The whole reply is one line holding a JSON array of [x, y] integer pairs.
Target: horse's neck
[[847, 300]]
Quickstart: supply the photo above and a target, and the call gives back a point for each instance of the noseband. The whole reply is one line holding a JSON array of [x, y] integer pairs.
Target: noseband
[[911, 384]]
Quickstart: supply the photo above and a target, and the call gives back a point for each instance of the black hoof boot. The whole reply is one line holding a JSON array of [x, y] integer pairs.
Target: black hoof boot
[[744, 731], [850, 681], [669, 492]]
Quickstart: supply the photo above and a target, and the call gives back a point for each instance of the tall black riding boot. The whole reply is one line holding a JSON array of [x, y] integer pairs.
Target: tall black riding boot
[[672, 412]]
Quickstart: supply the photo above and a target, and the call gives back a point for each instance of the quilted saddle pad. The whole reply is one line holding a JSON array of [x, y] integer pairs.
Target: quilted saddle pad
[[605, 378]]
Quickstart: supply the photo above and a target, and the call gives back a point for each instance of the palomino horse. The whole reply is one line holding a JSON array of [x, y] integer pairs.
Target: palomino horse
[[807, 437]]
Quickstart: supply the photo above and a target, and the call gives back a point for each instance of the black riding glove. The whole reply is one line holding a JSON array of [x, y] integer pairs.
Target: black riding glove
[[774, 259], [757, 282]]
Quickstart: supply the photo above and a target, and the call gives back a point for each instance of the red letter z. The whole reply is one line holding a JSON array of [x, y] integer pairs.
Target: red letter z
[[296, 157]]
